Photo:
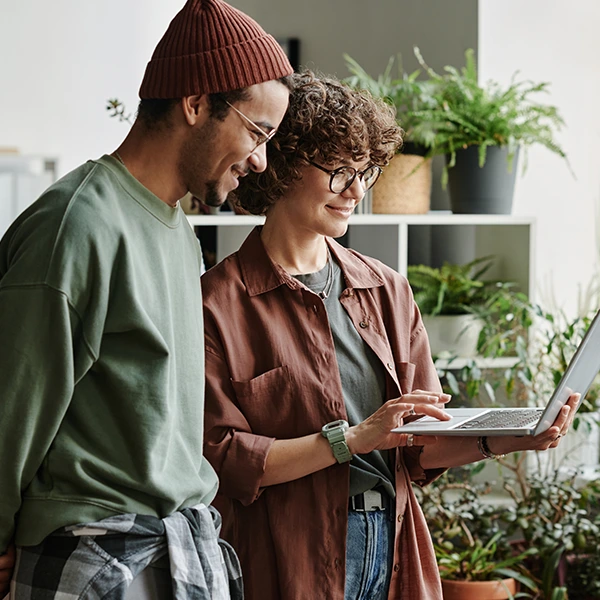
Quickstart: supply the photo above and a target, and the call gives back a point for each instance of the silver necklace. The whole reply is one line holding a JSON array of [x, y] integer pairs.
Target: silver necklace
[[324, 293], [118, 157]]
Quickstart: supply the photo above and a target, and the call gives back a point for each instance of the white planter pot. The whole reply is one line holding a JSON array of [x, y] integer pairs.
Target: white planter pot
[[454, 335]]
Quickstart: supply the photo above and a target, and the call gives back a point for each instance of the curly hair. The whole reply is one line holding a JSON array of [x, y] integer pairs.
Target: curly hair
[[326, 122]]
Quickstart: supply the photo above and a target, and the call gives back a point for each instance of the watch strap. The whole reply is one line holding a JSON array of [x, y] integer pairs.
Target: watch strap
[[335, 433]]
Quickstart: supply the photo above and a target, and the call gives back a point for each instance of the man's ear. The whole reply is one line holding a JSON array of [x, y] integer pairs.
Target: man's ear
[[195, 109]]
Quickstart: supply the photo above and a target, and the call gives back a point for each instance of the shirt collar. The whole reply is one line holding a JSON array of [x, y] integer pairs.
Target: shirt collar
[[261, 274]]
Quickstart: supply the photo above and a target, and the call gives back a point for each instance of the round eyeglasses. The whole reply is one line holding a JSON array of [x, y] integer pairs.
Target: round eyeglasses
[[261, 136], [342, 178]]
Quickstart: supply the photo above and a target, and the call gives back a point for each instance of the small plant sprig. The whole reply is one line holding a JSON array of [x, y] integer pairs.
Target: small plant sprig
[[117, 109]]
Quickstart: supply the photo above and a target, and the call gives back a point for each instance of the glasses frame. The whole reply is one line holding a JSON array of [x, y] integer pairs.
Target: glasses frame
[[332, 173], [263, 137]]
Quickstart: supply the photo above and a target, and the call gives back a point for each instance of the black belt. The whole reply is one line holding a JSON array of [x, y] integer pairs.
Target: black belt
[[369, 501]]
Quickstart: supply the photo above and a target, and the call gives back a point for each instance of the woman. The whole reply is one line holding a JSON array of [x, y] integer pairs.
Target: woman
[[302, 333]]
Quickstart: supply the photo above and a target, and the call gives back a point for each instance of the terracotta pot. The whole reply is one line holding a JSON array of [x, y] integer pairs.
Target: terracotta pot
[[479, 590]]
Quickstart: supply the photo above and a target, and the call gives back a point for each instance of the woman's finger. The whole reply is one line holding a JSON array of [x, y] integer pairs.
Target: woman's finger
[[424, 396], [572, 402], [432, 411], [409, 439]]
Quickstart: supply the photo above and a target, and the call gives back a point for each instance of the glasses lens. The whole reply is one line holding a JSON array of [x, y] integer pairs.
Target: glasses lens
[[342, 179], [371, 175]]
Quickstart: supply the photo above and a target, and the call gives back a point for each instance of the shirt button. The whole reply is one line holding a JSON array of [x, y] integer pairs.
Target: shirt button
[[336, 562], [400, 518], [396, 568], [350, 293], [389, 366], [363, 324], [398, 467], [315, 309]]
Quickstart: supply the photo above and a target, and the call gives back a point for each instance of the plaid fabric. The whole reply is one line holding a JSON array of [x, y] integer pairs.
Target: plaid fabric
[[100, 560]]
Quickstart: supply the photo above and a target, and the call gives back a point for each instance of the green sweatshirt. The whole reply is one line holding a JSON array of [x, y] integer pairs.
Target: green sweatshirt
[[101, 357]]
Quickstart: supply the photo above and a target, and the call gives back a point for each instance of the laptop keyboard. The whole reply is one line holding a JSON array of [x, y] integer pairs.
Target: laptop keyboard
[[504, 419]]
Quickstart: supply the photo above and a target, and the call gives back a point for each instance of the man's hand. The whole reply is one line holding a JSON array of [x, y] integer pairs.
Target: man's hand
[[7, 565]]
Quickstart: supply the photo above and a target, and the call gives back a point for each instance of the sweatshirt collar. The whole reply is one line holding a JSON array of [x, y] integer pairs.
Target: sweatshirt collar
[[261, 274], [169, 215]]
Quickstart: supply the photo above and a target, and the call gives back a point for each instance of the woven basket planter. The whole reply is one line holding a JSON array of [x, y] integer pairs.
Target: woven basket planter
[[404, 186]]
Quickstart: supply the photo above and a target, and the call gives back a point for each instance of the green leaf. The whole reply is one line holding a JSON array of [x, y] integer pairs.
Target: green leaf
[[452, 383]]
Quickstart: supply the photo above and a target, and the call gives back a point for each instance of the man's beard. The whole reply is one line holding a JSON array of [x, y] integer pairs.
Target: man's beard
[[194, 171], [211, 196]]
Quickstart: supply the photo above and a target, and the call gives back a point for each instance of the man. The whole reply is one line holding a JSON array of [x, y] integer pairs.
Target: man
[[101, 360]]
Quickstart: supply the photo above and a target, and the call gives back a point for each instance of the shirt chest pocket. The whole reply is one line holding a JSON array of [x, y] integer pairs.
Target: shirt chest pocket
[[270, 403]]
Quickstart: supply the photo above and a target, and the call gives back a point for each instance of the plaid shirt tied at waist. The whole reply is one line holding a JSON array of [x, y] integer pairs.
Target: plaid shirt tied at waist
[[100, 560]]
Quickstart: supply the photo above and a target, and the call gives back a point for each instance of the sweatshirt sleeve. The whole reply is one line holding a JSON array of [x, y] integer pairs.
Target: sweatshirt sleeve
[[237, 454], [40, 338]]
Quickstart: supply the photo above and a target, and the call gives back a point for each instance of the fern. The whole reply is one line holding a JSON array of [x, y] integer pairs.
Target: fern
[[452, 289], [469, 114]]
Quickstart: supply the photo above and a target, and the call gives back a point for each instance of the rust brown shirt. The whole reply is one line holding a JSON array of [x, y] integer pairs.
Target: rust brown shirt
[[271, 373]]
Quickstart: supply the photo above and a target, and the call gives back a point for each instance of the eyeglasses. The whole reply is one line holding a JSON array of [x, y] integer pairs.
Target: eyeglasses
[[257, 131], [342, 178]]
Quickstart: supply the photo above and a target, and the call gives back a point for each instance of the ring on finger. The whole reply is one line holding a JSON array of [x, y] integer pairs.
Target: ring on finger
[[410, 440], [412, 412]]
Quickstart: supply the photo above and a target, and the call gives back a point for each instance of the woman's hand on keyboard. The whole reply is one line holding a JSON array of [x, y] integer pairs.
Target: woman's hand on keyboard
[[374, 432]]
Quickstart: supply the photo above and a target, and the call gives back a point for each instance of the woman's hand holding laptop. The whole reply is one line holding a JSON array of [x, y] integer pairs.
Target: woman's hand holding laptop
[[543, 441]]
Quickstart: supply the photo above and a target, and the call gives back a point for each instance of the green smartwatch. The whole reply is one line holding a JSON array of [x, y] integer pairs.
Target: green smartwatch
[[335, 432]]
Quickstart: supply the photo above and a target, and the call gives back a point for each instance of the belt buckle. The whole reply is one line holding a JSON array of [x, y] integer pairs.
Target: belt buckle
[[373, 500]]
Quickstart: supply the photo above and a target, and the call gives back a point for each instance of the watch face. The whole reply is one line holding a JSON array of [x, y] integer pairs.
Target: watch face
[[335, 424]]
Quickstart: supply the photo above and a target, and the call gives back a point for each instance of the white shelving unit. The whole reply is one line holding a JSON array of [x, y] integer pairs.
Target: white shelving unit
[[400, 240], [504, 362]]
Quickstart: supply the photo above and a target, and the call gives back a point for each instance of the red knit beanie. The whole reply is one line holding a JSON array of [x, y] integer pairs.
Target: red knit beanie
[[212, 47]]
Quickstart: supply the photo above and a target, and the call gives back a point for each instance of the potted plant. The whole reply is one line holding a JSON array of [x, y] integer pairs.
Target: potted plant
[[474, 556], [543, 531], [481, 129], [405, 184], [477, 571], [452, 300], [561, 519], [582, 575]]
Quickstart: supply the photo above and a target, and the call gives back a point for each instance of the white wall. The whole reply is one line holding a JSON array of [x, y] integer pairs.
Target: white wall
[[555, 41], [62, 60], [370, 31]]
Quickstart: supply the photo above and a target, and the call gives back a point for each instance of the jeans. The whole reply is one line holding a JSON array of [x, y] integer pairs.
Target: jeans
[[369, 555]]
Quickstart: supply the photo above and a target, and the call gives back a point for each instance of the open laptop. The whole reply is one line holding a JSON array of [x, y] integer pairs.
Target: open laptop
[[578, 377]]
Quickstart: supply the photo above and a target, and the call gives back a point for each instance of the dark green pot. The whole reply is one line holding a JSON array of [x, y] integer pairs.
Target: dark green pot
[[482, 190]]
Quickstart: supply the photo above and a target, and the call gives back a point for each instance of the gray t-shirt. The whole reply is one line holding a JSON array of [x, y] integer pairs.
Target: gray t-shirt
[[362, 376]]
